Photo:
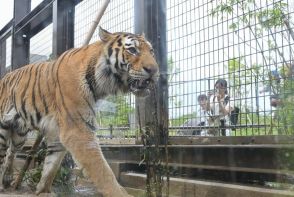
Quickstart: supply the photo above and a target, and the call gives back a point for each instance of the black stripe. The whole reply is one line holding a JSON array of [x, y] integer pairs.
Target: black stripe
[[32, 121], [56, 65], [17, 116], [22, 134], [116, 65], [49, 73], [18, 144], [123, 57], [11, 78], [14, 103], [107, 72], [119, 43], [91, 81], [38, 113], [91, 107], [20, 74], [4, 101], [118, 78], [110, 48], [124, 66], [34, 96], [88, 124], [42, 97], [22, 97], [110, 51], [107, 61], [59, 88], [2, 137], [77, 50], [2, 87]]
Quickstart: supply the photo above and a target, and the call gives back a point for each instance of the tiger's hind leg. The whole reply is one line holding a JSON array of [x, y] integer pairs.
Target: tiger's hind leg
[[7, 167], [14, 143], [3, 145], [53, 159], [13, 136], [6, 160]]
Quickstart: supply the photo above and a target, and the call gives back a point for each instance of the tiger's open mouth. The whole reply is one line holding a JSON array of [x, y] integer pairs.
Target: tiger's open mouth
[[139, 86]]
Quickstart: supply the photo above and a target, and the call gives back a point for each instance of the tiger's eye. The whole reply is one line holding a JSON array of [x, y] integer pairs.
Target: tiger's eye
[[132, 50]]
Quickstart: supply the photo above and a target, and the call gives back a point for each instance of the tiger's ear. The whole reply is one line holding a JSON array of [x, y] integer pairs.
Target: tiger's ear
[[104, 35]]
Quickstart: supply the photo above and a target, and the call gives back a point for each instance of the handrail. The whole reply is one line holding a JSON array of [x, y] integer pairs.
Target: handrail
[[194, 127]]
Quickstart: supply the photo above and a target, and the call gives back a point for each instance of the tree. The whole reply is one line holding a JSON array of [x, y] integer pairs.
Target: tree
[[271, 20]]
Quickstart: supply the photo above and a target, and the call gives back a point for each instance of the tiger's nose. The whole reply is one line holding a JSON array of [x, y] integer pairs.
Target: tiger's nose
[[150, 69]]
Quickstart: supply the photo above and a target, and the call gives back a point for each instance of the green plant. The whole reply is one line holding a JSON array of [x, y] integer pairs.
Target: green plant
[[120, 116], [62, 181]]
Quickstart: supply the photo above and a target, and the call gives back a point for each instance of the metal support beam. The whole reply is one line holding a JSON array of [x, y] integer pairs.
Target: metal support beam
[[150, 19], [20, 50], [6, 30], [63, 26], [20, 42], [36, 20]]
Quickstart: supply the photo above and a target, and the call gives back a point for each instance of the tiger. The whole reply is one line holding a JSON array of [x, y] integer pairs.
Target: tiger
[[57, 99]]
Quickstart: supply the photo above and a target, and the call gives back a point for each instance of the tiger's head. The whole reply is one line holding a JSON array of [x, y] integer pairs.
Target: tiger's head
[[131, 60]]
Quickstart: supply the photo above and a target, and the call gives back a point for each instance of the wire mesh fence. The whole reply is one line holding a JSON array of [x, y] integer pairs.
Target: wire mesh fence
[[246, 43], [41, 45], [115, 114], [230, 73], [8, 44], [249, 44]]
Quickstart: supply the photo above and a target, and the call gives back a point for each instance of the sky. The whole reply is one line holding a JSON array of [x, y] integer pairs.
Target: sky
[[6, 10], [199, 45]]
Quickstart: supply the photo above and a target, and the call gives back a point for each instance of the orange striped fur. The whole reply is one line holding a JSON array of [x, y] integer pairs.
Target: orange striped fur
[[57, 98]]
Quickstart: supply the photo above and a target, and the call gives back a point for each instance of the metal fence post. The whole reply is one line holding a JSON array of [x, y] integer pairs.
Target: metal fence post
[[20, 41], [63, 26], [2, 57], [111, 131], [150, 19]]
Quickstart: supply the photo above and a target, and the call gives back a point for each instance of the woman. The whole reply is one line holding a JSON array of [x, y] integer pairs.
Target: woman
[[220, 107]]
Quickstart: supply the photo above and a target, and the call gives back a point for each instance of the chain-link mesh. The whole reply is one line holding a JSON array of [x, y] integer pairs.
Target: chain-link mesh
[[116, 114], [41, 45], [248, 44]]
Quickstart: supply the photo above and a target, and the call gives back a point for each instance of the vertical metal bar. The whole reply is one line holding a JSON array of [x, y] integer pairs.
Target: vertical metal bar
[[150, 19], [63, 26], [2, 57], [21, 8], [20, 42], [111, 131]]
